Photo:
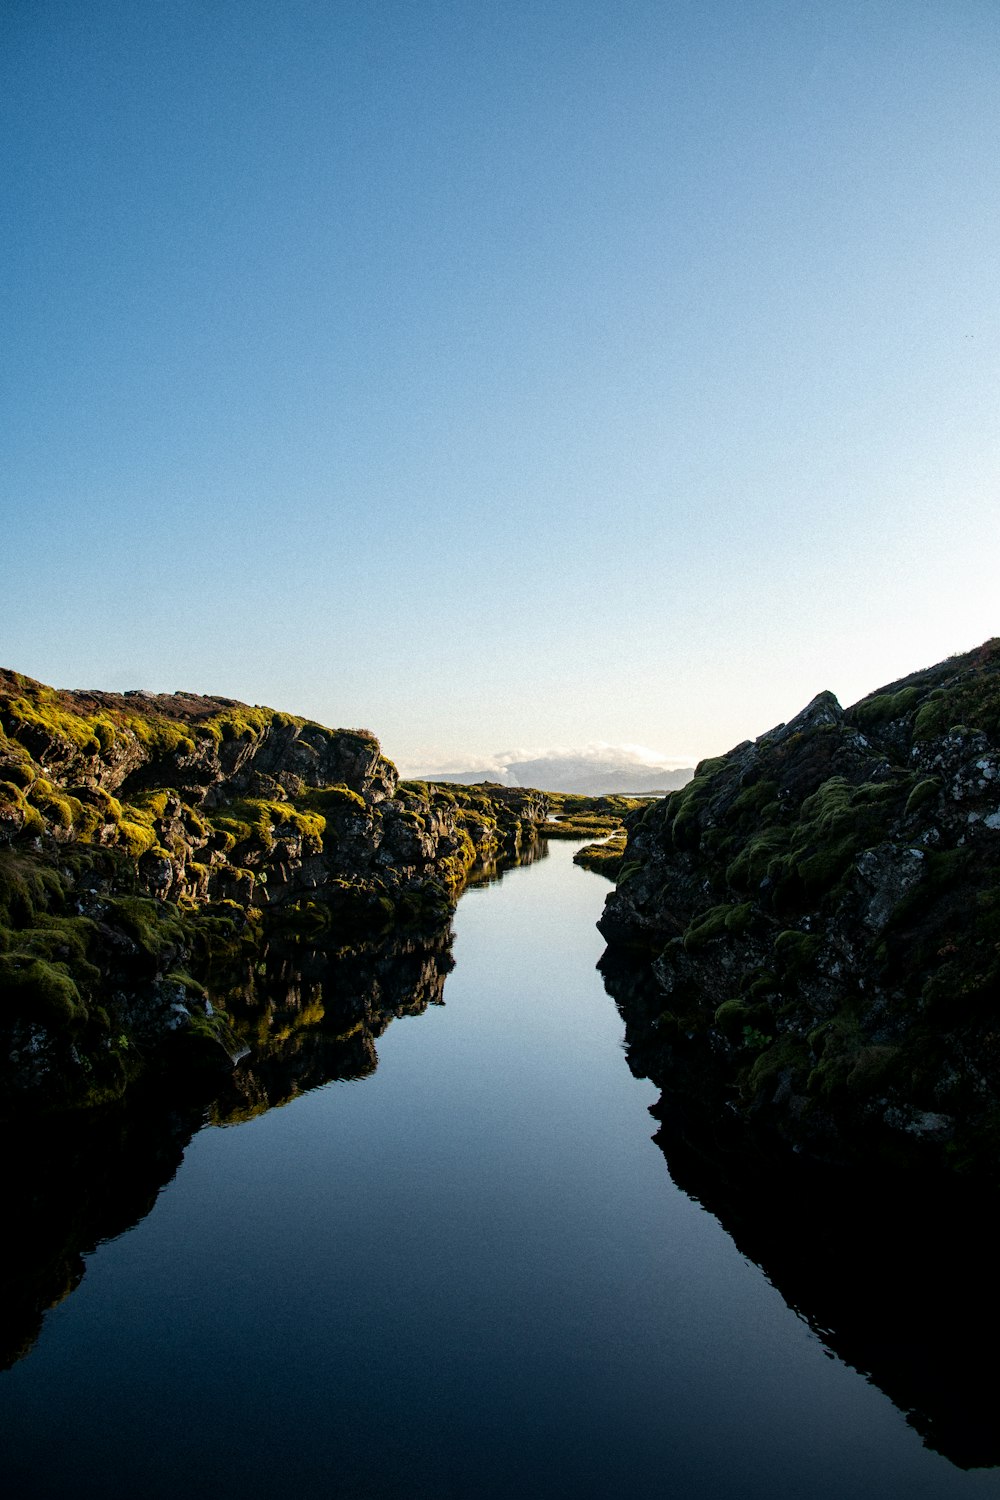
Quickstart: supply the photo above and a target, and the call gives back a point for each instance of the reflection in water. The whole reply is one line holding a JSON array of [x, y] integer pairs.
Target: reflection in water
[[896, 1277], [489, 871], [470, 1275], [301, 1018], [73, 1182], [69, 1185], [900, 1286], [309, 1018]]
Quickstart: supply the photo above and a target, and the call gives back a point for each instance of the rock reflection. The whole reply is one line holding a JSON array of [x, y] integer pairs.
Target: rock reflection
[[895, 1274], [310, 1018], [296, 1018], [489, 871], [71, 1182]]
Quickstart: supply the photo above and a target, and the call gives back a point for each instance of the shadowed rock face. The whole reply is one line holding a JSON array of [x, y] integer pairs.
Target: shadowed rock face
[[149, 842], [820, 915], [893, 1271]]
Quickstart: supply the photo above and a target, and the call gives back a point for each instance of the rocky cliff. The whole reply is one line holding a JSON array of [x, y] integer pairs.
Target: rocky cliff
[[145, 840], [806, 938]]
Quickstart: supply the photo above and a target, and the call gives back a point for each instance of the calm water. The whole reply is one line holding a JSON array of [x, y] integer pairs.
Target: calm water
[[468, 1274]]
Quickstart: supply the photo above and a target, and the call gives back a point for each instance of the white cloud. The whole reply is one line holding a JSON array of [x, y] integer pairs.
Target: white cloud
[[560, 766], [598, 752]]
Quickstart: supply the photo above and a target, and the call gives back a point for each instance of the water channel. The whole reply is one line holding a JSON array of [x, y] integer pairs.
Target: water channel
[[467, 1273]]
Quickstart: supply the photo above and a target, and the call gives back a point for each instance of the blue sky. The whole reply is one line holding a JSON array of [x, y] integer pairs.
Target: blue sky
[[500, 375]]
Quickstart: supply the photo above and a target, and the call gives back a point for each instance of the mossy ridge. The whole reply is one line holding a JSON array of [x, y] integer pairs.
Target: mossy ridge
[[40, 718], [604, 858], [496, 819], [163, 859], [33, 715], [856, 1000]]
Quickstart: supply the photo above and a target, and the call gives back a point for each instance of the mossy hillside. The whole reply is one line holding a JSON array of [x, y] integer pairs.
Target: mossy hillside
[[184, 741], [258, 822], [70, 957], [48, 726], [144, 860], [821, 908], [181, 801]]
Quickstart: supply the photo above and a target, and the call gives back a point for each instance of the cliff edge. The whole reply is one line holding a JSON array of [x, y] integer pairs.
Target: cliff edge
[[808, 934]]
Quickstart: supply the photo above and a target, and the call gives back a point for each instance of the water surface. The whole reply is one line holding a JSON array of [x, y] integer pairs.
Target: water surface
[[467, 1274]]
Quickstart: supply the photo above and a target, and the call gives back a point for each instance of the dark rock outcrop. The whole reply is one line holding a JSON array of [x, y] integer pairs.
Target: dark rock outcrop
[[819, 912], [146, 841]]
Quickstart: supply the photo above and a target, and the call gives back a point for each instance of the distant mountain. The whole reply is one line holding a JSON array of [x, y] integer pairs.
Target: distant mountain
[[593, 771], [578, 775]]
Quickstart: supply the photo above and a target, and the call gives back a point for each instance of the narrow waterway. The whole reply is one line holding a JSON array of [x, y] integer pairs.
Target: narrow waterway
[[468, 1274]]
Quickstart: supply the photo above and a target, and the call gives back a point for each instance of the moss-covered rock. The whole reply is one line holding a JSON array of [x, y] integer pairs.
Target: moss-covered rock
[[844, 870], [146, 836]]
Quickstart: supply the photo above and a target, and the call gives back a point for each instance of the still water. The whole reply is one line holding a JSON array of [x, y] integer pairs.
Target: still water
[[467, 1274]]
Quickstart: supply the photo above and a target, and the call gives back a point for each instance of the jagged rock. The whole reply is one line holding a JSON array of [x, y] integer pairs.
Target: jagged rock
[[820, 910], [143, 834]]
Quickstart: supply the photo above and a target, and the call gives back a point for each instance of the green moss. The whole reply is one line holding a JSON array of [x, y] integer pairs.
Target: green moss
[[969, 706], [266, 821], [757, 984], [875, 712], [718, 921], [234, 830], [40, 990], [795, 951], [56, 808], [760, 857], [28, 887], [26, 818], [59, 940], [923, 792], [151, 804], [159, 735], [604, 859], [683, 808], [136, 839], [731, 1015], [184, 979], [836, 823], [17, 768], [154, 926], [847, 1061], [755, 801], [582, 825], [38, 712], [104, 733], [787, 1053]]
